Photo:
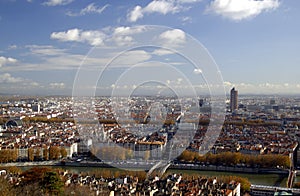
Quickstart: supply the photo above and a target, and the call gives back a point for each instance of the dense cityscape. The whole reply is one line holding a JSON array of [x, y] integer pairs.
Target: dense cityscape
[[259, 135]]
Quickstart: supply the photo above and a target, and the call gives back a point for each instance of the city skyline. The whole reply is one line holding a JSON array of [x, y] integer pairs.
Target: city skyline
[[254, 43]]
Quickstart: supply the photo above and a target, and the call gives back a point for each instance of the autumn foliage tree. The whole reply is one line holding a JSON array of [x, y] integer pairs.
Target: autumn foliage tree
[[234, 158], [46, 153], [30, 154], [40, 181], [6, 189], [37, 153], [114, 153], [63, 152], [8, 155], [245, 183], [54, 153]]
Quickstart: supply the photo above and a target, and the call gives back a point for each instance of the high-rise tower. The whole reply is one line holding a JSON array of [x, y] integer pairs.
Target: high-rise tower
[[233, 99]]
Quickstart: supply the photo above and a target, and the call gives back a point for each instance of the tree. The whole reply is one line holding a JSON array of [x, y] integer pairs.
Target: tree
[[147, 155], [5, 188], [13, 169], [51, 183], [129, 153], [14, 155], [4, 155], [296, 185], [245, 184], [37, 153], [33, 175], [187, 155], [30, 154], [38, 181], [122, 154], [94, 151], [46, 153], [63, 152], [54, 153]]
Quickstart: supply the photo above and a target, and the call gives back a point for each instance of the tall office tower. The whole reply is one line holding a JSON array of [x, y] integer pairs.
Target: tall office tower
[[233, 99]]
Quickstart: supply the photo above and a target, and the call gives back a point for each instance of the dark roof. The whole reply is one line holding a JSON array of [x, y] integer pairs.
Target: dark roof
[[13, 123]]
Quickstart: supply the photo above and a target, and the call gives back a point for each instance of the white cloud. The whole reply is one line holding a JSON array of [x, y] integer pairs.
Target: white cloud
[[89, 9], [227, 84], [188, 1], [123, 40], [162, 52], [197, 71], [130, 58], [128, 30], [57, 2], [6, 60], [47, 57], [45, 50], [135, 14], [123, 35], [159, 6], [263, 88], [173, 37], [94, 38], [12, 84], [12, 47], [162, 7], [59, 85], [7, 78], [186, 19], [241, 9]]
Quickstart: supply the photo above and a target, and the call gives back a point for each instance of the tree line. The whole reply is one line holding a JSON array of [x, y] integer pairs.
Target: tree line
[[236, 158], [33, 154]]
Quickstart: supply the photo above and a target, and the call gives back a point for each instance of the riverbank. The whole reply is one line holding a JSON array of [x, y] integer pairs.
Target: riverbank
[[34, 163], [248, 170], [187, 167]]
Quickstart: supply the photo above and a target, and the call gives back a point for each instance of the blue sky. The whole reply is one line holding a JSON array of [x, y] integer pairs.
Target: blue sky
[[255, 44]]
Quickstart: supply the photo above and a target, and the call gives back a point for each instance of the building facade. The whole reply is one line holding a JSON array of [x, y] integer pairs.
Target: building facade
[[233, 99]]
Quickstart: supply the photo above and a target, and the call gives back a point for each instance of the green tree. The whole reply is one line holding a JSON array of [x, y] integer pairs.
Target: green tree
[[39, 181], [51, 183]]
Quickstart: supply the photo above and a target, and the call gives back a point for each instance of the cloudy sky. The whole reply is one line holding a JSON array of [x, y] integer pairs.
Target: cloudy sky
[[43, 44]]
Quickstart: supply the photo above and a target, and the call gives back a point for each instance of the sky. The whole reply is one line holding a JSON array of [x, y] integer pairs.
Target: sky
[[45, 46]]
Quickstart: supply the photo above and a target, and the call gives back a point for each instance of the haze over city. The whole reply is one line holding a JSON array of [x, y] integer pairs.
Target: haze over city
[[254, 43]]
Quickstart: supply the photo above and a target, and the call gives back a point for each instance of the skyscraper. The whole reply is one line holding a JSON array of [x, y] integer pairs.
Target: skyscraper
[[233, 99]]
